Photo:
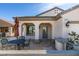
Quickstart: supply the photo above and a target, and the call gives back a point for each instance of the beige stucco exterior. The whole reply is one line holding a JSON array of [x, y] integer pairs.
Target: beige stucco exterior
[[58, 26], [55, 20], [72, 15], [53, 30]]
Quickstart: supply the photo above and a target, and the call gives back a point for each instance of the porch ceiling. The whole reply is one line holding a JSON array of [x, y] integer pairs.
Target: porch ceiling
[[39, 18]]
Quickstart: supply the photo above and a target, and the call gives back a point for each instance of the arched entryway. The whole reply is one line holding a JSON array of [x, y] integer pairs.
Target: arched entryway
[[45, 31], [28, 30]]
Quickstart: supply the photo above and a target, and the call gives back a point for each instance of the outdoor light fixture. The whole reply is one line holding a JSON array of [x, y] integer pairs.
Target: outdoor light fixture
[[67, 23]]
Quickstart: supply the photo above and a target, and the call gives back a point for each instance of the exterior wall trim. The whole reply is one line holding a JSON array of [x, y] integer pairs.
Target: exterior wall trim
[[74, 22], [38, 18]]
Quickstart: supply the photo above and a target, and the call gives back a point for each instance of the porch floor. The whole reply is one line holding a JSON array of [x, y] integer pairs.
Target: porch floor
[[40, 46], [33, 46]]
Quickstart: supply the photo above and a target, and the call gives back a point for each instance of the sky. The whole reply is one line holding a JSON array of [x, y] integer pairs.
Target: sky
[[9, 10]]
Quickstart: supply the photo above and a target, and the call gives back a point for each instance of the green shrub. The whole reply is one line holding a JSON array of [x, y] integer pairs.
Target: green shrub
[[73, 38]]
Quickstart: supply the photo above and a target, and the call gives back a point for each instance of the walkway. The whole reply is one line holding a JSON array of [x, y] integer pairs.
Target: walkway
[[39, 52]]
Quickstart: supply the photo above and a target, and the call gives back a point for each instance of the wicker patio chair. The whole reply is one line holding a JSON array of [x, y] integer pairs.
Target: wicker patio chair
[[27, 42], [4, 43], [23, 39]]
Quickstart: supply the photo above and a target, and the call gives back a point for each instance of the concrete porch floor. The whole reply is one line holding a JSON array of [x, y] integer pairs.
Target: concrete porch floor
[[33, 46], [40, 46]]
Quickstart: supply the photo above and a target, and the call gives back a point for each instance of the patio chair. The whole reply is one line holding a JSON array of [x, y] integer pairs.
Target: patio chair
[[22, 38], [27, 42], [4, 43]]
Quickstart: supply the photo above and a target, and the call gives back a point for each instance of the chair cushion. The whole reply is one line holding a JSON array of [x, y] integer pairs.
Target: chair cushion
[[4, 41]]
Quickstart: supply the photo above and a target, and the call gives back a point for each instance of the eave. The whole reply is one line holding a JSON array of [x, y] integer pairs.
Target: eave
[[38, 18]]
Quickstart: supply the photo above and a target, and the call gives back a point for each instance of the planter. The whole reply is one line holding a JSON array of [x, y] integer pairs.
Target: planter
[[60, 43]]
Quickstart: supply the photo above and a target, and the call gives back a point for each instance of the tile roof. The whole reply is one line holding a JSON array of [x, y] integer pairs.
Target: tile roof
[[5, 23], [70, 9]]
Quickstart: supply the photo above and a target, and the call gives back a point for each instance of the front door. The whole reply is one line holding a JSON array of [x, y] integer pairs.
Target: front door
[[45, 32]]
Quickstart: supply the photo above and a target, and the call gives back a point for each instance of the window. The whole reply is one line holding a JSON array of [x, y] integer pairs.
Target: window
[[6, 30], [30, 30], [3, 29]]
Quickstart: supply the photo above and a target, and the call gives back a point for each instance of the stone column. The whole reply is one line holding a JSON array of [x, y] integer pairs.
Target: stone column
[[52, 31], [11, 30], [24, 30], [36, 31], [20, 29]]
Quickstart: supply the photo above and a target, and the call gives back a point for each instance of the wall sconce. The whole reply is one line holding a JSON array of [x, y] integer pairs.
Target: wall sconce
[[67, 23]]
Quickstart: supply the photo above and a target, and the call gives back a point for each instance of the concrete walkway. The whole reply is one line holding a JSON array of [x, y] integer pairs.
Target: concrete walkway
[[38, 52], [63, 52], [22, 52]]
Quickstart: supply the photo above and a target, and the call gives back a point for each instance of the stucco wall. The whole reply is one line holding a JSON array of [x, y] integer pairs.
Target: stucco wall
[[71, 16], [74, 27], [58, 30], [51, 13]]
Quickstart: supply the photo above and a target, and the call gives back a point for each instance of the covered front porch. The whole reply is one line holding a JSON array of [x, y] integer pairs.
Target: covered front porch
[[39, 30], [32, 31], [37, 27]]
